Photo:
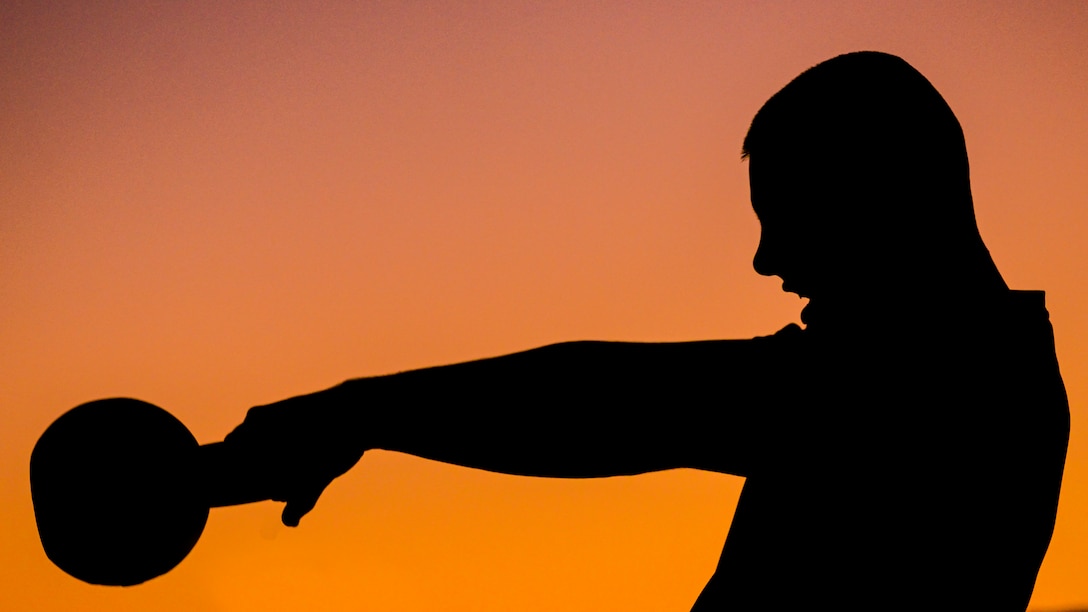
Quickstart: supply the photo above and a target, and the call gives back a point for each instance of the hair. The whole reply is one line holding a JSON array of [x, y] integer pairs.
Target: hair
[[866, 108]]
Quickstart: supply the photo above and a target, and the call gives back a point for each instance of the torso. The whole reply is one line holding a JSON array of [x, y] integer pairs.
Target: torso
[[904, 471]]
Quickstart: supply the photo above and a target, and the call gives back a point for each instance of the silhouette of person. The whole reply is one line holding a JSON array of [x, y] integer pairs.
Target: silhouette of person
[[902, 451]]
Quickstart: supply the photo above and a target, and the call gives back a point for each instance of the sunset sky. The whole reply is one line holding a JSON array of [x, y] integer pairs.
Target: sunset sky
[[214, 205]]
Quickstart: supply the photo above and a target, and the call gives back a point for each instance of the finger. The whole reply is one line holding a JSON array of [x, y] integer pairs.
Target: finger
[[299, 507]]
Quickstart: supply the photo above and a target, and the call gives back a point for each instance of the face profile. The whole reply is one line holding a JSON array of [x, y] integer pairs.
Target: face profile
[[789, 247]]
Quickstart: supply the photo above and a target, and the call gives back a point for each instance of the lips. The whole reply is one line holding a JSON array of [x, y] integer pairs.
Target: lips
[[790, 288]]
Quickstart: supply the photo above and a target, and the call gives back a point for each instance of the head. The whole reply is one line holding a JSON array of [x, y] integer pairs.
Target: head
[[860, 180]]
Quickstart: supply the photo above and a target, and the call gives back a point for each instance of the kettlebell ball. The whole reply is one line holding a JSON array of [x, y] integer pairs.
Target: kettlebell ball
[[122, 491]]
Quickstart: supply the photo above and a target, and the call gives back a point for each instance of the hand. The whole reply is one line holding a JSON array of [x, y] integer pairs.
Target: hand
[[298, 446]]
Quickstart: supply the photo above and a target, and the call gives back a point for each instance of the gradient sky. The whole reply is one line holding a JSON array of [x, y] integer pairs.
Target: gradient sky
[[214, 205]]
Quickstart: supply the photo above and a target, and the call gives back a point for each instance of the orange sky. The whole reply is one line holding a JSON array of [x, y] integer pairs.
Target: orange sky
[[210, 208]]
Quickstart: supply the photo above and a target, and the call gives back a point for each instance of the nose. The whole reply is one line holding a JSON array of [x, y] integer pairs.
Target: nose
[[764, 260]]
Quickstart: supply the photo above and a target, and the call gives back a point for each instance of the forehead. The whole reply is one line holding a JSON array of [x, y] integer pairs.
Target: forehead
[[775, 185]]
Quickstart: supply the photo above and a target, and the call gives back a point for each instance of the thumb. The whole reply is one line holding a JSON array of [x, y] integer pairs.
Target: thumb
[[299, 506]]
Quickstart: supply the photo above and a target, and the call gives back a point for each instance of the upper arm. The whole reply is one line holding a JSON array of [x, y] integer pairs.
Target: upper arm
[[709, 405]]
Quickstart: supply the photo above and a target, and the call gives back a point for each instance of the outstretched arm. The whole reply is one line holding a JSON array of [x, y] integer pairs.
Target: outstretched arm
[[578, 409]]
